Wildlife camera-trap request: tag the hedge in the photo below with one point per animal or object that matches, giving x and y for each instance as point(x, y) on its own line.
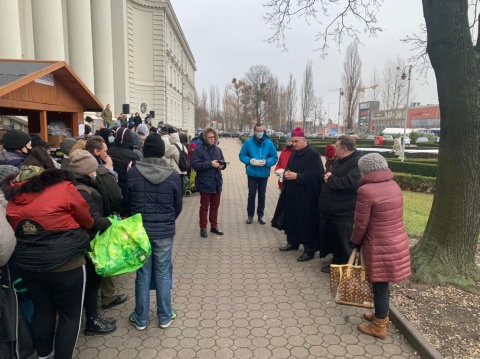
point(414, 183)
point(414, 168)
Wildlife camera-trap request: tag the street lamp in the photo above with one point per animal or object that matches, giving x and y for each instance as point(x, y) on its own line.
point(404, 76)
point(339, 103)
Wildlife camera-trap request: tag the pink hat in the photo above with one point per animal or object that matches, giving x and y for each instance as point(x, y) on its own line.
point(298, 132)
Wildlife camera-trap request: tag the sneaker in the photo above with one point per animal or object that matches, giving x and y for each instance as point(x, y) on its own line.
point(134, 322)
point(166, 325)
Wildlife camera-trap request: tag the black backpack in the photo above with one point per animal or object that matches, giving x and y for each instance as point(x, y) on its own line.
point(183, 159)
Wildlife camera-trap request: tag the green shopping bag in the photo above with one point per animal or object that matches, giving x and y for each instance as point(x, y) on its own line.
point(124, 247)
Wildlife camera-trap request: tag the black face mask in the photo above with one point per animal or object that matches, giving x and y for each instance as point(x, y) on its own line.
point(29, 150)
point(289, 146)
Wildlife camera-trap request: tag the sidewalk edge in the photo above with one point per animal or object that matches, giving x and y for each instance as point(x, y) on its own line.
point(416, 339)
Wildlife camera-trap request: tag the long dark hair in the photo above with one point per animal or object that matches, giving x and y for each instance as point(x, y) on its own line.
point(39, 157)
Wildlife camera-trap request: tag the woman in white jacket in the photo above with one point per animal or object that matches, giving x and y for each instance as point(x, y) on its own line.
point(173, 153)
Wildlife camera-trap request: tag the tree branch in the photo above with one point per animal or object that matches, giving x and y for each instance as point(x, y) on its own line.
point(348, 13)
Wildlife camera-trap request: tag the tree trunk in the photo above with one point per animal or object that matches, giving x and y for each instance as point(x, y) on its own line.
point(446, 253)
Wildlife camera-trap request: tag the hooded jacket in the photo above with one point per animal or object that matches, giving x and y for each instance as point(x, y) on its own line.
point(209, 179)
point(379, 228)
point(48, 216)
point(122, 155)
point(173, 154)
point(259, 149)
point(154, 190)
point(339, 194)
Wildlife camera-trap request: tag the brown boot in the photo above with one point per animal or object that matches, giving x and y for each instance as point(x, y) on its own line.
point(369, 316)
point(378, 328)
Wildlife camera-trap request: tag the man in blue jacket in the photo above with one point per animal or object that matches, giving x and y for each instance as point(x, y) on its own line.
point(259, 155)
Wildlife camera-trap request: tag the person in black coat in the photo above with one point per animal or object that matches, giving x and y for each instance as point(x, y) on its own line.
point(155, 191)
point(297, 209)
point(84, 167)
point(209, 162)
point(337, 202)
point(123, 157)
point(137, 120)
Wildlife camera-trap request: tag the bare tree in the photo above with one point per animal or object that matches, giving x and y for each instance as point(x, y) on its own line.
point(317, 110)
point(374, 93)
point(446, 252)
point(272, 104)
point(351, 80)
point(291, 101)
point(258, 77)
point(214, 102)
point(307, 95)
point(201, 111)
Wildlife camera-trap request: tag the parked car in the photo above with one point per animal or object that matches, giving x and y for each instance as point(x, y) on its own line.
point(387, 137)
point(237, 134)
point(225, 134)
point(422, 139)
point(369, 137)
point(407, 140)
point(277, 135)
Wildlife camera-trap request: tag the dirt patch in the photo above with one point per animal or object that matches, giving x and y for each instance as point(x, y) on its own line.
point(448, 317)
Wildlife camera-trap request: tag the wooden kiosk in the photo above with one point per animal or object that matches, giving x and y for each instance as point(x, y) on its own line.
point(44, 91)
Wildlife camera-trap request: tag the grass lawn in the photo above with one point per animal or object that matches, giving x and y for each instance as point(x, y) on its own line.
point(416, 209)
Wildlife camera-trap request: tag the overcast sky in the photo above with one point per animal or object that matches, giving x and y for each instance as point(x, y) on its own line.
point(228, 36)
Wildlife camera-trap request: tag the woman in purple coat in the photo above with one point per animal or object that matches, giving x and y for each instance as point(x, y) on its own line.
point(379, 228)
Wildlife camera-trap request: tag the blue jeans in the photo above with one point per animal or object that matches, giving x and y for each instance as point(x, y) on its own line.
point(157, 269)
point(254, 184)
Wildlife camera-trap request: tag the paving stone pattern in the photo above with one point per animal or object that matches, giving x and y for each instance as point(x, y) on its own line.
point(238, 296)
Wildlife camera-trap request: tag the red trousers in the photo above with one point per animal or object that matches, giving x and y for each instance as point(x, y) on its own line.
point(211, 200)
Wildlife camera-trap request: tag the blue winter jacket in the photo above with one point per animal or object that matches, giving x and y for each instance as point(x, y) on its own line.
point(209, 179)
point(154, 190)
point(260, 150)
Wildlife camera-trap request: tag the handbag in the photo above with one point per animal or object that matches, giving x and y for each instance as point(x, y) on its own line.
point(349, 283)
point(122, 248)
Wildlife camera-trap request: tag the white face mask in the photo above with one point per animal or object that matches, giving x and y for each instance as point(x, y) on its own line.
point(259, 135)
point(111, 139)
point(94, 176)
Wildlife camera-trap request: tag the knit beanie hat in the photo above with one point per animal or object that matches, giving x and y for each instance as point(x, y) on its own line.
point(15, 140)
point(298, 132)
point(154, 146)
point(288, 136)
point(6, 170)
point(38, 141)
point(330, 151)
point(143, 129)
point(66, 145)
point(372, 162)
point(82, 162)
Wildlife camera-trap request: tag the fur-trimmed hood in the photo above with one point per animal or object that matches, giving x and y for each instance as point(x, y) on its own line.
point(34, 185)
point(202, 137)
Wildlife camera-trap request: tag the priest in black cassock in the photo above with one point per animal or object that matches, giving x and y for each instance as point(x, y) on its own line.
point(297, 208)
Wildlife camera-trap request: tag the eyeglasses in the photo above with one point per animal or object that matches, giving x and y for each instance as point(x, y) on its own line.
point(210, 137)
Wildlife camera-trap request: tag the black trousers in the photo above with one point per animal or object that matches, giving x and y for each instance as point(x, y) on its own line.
point(256, 184)
point(52, 292)
point(381, 299)
point(91, 289)
point(335, 238)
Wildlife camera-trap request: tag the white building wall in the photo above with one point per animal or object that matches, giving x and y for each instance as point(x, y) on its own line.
point(139, 53)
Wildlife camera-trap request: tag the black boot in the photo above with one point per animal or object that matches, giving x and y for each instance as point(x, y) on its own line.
point(289, 247)
point(95, 326)
point(306, 256)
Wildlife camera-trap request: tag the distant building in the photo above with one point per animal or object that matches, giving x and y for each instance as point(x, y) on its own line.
point(419, 117)
point(126, 51)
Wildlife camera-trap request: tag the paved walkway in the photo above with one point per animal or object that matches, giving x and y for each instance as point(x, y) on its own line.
point(238, 296)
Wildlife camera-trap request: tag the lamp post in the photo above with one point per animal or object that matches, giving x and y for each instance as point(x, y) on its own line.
point(339, 103)
point(404, 76)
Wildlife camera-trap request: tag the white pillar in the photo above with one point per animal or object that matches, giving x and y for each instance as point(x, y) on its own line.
point(102, 51)
point(48, 30)
point(10, 41)
point(80, 40)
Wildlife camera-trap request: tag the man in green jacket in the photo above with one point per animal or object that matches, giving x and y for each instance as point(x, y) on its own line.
point(107, 116)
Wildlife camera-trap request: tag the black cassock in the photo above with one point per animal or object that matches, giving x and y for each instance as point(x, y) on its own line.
point(297, 209)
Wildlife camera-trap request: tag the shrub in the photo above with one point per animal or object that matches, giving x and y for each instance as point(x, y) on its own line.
point(414, 168)
point(415, 183)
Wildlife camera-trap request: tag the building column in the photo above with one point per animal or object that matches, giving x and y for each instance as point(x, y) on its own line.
point(80, 40)
point(102, 50)
point(48, 30)
point(11, 44)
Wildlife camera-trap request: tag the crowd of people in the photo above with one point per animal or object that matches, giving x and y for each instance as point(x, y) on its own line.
point(54, 209)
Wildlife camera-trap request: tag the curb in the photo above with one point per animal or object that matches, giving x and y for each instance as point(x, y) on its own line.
point(413, 336)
